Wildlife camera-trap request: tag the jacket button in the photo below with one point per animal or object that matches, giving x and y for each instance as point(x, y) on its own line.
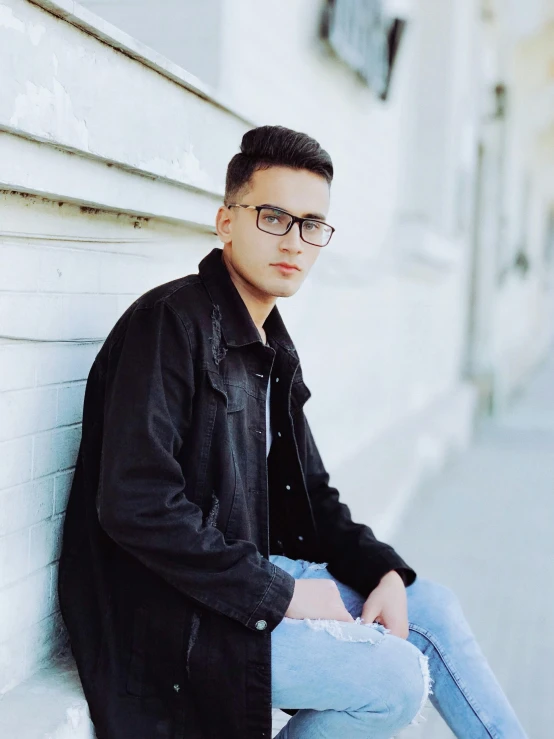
point(300, 538)
point(276, 379)
point(176, 687)
point(260, 625)
point(287, 487)
point(278, 433)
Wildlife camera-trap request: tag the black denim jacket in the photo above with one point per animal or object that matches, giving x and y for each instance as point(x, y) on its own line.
point(165, 582)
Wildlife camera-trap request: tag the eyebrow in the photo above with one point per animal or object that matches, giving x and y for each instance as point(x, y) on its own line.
point(317, 216)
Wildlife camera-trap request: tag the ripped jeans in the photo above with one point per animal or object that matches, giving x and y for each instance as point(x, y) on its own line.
point(359, 681)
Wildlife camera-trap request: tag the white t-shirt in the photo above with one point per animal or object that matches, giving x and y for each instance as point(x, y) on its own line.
point(268, 435)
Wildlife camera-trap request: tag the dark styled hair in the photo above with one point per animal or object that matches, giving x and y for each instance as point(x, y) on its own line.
point(274, 146)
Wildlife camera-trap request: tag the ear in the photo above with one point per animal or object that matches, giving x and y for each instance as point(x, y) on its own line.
point(224, 224)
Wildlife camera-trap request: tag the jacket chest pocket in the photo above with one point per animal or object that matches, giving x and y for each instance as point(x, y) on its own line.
point(233, 395)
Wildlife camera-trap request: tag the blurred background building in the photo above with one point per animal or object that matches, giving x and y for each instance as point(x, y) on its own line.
point(117, 121)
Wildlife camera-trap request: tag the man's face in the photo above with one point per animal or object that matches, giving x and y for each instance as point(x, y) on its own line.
point(253, 254)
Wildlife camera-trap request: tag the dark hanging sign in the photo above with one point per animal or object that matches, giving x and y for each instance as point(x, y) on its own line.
point(365, 39)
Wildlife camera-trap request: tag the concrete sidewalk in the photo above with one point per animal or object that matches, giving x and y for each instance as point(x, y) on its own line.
point(486, 529)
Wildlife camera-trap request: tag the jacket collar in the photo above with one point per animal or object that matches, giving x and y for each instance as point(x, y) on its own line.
point(237, 326)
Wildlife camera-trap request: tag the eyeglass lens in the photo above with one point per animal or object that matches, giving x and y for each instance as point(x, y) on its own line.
point(276, 222)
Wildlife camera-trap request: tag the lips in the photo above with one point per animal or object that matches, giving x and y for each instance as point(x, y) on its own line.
point(290, 267)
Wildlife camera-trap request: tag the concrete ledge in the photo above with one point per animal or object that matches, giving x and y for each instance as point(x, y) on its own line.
point(49, 705)
point(81, 86)
point(48, 172)
point(96, 26)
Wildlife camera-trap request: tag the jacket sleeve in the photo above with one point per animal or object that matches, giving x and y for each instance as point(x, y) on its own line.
point(141, 498)
point(355, 555)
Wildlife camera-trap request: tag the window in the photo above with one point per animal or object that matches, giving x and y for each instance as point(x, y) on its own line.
point(359, 33)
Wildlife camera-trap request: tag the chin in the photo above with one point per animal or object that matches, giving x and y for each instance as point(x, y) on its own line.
point(285, 291)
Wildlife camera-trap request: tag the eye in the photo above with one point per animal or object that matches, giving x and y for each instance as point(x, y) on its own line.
point(312, 226)
point(274, 216)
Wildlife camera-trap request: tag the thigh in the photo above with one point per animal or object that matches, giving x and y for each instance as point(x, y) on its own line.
point(327, 664)
point(323, 664)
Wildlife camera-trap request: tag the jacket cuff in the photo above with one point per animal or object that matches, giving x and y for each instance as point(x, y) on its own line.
point(271, 610)
point(407, 574)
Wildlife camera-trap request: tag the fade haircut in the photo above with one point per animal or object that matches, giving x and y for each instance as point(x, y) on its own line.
point(274, 146)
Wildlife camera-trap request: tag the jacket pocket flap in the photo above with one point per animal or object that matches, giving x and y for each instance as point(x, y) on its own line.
point(234, 395)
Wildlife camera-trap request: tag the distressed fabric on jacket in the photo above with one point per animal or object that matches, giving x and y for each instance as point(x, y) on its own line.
point(165, 582)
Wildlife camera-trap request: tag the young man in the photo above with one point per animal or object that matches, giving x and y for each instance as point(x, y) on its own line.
point(208, 569)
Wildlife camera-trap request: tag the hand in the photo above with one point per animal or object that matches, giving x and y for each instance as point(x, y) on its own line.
point(388, 604)
point(317, 599)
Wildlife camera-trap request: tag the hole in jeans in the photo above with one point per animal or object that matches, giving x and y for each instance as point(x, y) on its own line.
point(347, 630)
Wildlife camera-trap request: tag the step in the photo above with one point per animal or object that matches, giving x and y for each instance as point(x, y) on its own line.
point(51, 705)
point(48, 705)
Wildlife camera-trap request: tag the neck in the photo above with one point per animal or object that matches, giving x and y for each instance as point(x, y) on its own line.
point(258, 304)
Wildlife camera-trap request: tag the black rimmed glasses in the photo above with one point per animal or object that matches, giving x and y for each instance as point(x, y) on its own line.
point(278, 222)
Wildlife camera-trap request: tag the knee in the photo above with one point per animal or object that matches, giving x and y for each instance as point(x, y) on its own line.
point(436, 605)
point(408, 684)
point(438, 595)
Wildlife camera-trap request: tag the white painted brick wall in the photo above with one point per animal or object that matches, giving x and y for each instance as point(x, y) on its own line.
point(27, 610)
point(23, 505)
point(66, 274)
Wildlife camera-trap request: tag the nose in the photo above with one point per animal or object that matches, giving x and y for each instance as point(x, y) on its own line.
point(292, 241)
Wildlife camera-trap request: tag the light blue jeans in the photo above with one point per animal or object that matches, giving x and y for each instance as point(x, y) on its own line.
point(359, 681)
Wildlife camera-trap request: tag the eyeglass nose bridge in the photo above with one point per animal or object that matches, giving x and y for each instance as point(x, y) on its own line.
point(293, 220)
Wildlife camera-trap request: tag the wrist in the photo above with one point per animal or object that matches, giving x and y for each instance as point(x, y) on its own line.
point(393, 575)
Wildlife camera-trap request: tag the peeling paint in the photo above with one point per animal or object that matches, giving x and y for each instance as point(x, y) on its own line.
point(46, 98)
point(8, 20)
point(192, 169)
point(89, 211)
point(35, 31)
point(33, 112)
point(25, 195)
point(185, 167)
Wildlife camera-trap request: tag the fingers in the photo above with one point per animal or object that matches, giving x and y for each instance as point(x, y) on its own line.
point(370, 613)
point(399, 628)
